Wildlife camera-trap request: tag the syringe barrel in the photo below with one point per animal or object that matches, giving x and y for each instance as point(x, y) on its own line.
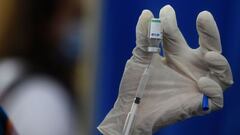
point(143, 83)
point(129, 123)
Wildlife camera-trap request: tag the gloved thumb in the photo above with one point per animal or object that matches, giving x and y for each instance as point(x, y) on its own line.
point(140, 53)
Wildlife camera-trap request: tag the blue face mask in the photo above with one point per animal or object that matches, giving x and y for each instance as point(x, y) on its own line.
point(70, 46)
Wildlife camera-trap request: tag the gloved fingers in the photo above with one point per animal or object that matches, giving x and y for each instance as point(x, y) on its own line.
point(219, 68)
point(173, 40)
point(214, 91)
point(139, 53)
point(209, 37)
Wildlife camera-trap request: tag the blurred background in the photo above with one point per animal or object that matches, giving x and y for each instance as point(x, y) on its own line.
point(61, 61)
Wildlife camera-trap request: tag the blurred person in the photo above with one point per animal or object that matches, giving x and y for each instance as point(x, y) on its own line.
point(39, 45)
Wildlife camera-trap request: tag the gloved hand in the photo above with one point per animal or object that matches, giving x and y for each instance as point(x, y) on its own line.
point(177, 81)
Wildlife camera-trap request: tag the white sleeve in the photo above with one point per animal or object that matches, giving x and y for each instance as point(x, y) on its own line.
point(40, 107)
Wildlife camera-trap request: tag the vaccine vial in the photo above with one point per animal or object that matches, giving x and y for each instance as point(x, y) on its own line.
point(155, 35)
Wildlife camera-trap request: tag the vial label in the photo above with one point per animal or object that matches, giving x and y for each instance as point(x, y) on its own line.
point(155, 29)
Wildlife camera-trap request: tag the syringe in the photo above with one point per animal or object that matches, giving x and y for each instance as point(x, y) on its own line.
point(155, 37)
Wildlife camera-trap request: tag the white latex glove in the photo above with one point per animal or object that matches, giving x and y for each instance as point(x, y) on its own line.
point(177, 82)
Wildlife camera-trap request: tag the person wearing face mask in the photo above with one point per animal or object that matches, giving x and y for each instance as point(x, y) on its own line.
point(38, 50)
